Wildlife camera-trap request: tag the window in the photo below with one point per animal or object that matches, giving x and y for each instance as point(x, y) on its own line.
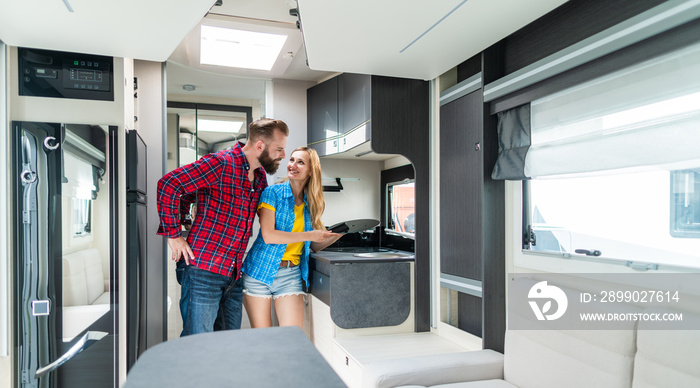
point(685, 203)
point(82, 209)
point(401, 205)
point(632, 216)
point(615, 167)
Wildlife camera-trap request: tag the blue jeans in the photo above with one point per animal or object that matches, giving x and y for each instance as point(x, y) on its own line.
point(209, 301)
point(180, 269)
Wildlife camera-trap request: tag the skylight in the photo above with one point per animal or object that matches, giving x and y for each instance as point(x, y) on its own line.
point(237, 48)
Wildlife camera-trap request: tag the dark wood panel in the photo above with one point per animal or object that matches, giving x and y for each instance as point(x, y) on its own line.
point(469, 314)
point(400, 125)
point(666, 42)
point(493, 63)
point(469, 68)
point(461, 175)
point(493, 252)
point(570, 23)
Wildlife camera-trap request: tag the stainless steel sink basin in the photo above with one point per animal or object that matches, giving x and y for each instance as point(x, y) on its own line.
point(382, 255)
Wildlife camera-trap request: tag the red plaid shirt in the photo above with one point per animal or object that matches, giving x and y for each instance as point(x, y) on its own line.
point(226, 208)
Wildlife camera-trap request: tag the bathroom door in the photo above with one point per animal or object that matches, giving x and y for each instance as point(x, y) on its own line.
point(65, 231)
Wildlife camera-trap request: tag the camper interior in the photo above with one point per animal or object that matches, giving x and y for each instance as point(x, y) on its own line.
point(519, 184)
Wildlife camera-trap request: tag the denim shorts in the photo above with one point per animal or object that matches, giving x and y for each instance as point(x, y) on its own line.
point(287, 282)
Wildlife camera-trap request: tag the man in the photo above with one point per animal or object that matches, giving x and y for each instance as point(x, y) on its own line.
point(228, 186)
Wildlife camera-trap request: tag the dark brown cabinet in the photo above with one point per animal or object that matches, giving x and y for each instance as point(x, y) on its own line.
point(340, 113)
point(461, 167)
point(472, 216)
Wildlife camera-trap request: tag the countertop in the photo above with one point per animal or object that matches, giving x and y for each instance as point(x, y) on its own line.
point(346, 255)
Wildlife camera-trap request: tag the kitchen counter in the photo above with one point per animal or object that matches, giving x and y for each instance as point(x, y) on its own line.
point(364, 287)
point(362, 255)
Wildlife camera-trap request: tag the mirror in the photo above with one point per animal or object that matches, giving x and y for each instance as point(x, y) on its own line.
point(85, 227)
point(206, 128)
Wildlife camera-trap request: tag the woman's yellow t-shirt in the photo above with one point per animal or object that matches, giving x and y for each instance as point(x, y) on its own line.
point(293, 251)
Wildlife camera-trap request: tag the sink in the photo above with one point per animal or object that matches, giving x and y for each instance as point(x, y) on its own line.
point(382, 255)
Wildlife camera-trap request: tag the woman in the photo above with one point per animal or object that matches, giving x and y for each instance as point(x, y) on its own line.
point(290, 224)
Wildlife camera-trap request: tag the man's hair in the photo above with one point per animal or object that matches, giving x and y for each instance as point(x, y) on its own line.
point(264, 129)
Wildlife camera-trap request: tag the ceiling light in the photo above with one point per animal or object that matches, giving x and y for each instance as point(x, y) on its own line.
point(237, 48)
point(188, 87)
point(224, 126)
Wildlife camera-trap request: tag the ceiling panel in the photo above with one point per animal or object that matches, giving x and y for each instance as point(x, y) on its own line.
point(139, 29)
point(411, 39)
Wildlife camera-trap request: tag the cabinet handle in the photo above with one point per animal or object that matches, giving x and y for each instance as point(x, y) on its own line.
point(85, 342)
point(50, 143)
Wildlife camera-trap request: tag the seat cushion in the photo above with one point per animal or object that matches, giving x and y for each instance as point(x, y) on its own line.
point(468, 384)
point(434, 369)
point(102, 299)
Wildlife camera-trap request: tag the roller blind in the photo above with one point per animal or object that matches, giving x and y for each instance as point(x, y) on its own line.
point(647, 115)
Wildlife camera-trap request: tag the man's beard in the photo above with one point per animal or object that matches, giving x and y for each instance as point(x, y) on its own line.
point(268, 163)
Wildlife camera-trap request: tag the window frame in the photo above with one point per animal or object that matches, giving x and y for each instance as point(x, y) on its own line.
point(388, 219)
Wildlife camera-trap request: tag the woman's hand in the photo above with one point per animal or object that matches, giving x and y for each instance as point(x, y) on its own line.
point(321, 235)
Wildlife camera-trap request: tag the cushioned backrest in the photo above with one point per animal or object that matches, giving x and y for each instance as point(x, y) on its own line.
point(93, 274)
point(585, 359)
point(667, 358)
point(569, 358)
point(74, 282)
point(83, 277)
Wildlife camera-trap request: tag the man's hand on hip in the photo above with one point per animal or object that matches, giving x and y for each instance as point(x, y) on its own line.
point(180, 249)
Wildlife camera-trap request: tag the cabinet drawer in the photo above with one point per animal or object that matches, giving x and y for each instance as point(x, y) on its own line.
point(321, 287)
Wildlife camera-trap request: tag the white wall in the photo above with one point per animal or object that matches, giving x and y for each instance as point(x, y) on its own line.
point(289, 105)
point(359, 198)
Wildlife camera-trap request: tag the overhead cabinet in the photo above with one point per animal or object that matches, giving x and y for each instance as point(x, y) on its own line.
point(322, 117)
point(340, 111)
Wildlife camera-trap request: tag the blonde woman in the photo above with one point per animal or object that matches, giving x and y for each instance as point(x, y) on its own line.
point(290, 225)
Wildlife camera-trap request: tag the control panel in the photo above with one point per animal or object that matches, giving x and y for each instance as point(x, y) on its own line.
point(45, 73)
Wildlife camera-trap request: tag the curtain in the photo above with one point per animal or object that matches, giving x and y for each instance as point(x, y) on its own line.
point(513, 143)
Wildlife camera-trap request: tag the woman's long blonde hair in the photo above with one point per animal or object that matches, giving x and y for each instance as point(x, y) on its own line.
point(314, 188)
